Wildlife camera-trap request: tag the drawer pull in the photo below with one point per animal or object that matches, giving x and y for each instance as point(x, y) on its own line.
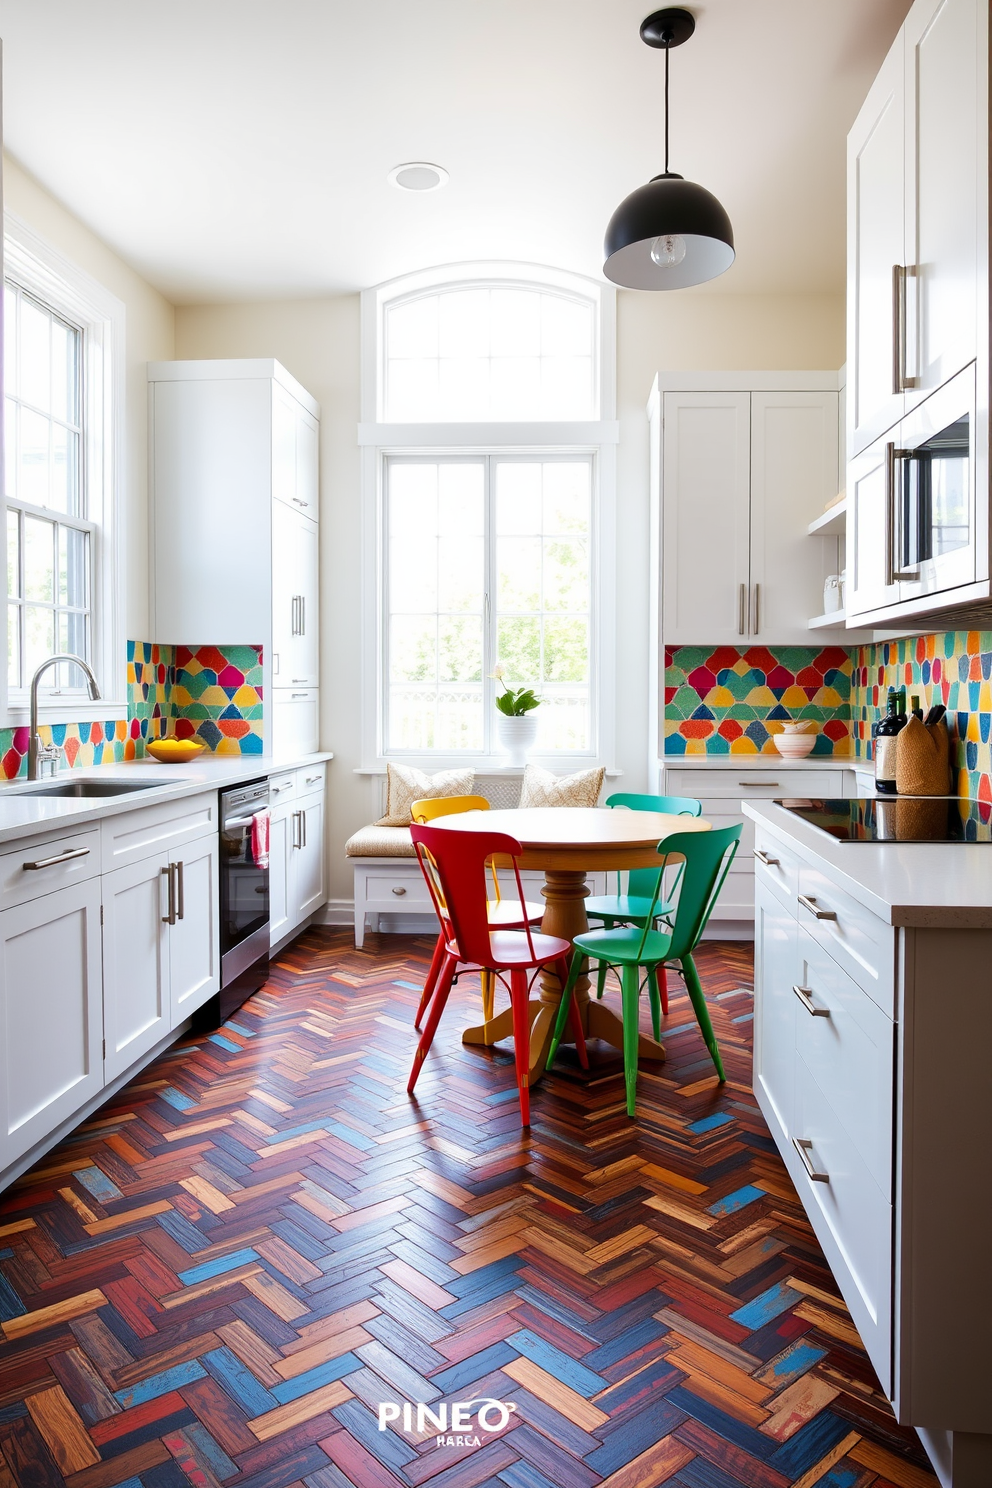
point(763, 857)
point(312, 779)
point(820, 914)
point(767, 784)
point(65, 857)
point(399, 891)
point(805, 997)
point(804, 1148)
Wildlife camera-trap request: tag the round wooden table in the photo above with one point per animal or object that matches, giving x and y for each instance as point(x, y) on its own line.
point(568, 842)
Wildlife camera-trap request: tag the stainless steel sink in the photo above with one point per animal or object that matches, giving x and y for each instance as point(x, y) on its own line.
point(85, 789)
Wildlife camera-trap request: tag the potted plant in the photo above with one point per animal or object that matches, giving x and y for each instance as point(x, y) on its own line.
point(515, 724)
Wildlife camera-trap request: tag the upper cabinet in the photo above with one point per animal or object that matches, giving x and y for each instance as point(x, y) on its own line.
point(741, 475)
point(918, 392)
point(234, 525)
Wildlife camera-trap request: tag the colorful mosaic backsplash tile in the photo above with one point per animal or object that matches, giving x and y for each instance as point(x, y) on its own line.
point(955, 669)
point(209, 693)
point(731, 700)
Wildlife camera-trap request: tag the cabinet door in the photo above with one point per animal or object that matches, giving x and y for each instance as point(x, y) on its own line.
point(307, 480)
point(306, 569)
point(284, 419)
point(280, 858)
point(194, 940)
point(308, 871)
point(793, 475)
point(876, 211)
point(284, 606)
point(137, 1006)
point(946, 109)
point(869, 560)
point(775, 974)
point(706, 479)
point(51, 1017)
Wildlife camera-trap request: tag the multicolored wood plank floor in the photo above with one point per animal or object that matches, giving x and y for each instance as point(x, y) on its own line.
point(223, 1276)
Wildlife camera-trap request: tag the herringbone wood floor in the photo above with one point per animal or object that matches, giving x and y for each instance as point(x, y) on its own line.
point(219, 1278)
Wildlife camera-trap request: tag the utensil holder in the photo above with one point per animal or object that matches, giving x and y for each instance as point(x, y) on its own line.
point(922, 759)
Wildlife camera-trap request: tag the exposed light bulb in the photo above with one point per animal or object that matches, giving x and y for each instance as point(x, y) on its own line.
point(669, 251)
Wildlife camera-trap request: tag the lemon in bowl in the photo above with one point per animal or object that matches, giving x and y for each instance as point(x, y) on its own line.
point(174, 751)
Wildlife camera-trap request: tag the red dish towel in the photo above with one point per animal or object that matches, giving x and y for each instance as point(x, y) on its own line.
point(260, 838)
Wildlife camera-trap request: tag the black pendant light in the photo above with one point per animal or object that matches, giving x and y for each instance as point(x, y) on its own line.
point(670, 233)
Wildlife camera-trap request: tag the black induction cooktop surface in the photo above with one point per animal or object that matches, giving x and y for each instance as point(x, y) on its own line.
point(897, 819)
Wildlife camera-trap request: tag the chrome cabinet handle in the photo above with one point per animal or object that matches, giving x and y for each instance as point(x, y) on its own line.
point(299, 679)
point(820, 914)
point(303, 827)
point(170, 917)
point(805, 997)
point(898, 327)
point(65, 857)
point(804, 1148)
point(757, 602)
point(298, 829)
point(399, 891)
point(300, 502)
point(299, 694)
point(180, 892)
point(768, 784)
point(303, 614)
point(311, 779)
point(763, 857)
point(742, 610)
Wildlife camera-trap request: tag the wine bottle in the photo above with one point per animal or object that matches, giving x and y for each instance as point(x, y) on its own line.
point(917, 711)
point(886, 738)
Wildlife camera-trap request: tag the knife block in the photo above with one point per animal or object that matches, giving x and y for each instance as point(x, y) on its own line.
point(922, 759)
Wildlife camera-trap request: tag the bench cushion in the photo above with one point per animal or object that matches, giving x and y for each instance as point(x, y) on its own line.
point(380, 842)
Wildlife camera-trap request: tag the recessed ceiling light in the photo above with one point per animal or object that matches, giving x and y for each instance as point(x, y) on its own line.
point(418, 175)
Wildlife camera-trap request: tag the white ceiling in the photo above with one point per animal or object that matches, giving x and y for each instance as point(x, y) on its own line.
point(234, 149)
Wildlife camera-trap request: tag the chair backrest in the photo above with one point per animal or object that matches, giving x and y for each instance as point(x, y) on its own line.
point(707, 857)
point(641, 881)
point(432, 806)
point(454, 865)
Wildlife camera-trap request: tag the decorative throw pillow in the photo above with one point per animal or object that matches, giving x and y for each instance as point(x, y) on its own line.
point(541, 788)
point(404, 785)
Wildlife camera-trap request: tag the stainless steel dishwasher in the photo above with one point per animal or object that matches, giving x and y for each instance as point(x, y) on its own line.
point(244, 895)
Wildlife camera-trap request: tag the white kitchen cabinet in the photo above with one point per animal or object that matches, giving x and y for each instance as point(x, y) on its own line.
point(161, 955)
point(234, 520)
point(775, 973)
point(51, 1015)
point(296, 851)
point(742, 474)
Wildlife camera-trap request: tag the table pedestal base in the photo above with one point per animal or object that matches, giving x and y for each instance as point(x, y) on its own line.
point(565, 891)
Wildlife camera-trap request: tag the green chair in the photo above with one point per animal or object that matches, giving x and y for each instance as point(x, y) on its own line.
point(707, 857)
point(643, 884)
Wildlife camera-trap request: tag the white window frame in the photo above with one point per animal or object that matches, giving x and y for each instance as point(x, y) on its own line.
point(379, 441)
point(58, 283)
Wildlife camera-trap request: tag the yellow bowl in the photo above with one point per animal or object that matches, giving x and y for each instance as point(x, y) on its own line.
point(174, 751)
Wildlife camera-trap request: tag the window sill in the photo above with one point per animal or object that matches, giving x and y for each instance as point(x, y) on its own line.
point(495, 766)
point(60, 710)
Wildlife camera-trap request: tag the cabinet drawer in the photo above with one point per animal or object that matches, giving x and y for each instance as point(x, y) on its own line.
point(851, 1216)
point(311, 779)
point(282, 788)
point(851, 934)
point(756, 784)
point(397, 892)
point(139, 834)
point(48, 863)
point(775, 865)
point(846, 1042)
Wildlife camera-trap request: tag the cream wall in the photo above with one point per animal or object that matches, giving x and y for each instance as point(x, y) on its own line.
point(150, 337)
point(318, 341)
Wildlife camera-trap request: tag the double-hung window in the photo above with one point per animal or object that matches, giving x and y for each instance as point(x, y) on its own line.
point(63, 338)
point(489, 486)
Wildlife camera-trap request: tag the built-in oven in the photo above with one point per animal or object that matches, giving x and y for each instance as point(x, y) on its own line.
point(244, 893)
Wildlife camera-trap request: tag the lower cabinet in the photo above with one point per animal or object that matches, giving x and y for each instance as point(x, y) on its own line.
point(160, 948)
point(296, 853)
point(51, 1014)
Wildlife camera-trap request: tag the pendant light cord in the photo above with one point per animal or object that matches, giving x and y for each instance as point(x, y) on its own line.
point(668, 52)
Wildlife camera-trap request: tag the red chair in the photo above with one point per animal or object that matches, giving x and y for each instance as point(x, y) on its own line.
point(502, 916)
point(454, 866)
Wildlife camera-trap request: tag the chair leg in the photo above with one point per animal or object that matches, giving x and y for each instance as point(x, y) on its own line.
point(654, 997)
point(573, 1014)
point(695, 991)
point(519, 1002)
point(488, 980)
point(663, 988)
point(431, 982)
point(629, 993)
point(433, 1019)
point(601, 978)
point(566, 1001)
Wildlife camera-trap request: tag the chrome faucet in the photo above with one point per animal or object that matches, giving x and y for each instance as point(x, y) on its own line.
point(40, 755)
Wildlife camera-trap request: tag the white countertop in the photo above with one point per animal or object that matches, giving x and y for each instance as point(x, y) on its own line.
point(23, 815)
point(748, 762)
point(931, 885)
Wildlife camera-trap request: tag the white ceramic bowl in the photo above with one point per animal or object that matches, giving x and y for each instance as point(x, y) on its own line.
point(794, 746)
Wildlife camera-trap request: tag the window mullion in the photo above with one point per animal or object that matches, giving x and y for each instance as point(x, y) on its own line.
point(490, 648)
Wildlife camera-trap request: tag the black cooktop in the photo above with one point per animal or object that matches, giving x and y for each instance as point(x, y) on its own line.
point(897, 818)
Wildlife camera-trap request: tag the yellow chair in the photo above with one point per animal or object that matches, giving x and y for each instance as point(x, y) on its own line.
point(502, 916)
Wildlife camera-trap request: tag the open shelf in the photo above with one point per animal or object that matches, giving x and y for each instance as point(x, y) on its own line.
point(837, 619)
point(832, 523)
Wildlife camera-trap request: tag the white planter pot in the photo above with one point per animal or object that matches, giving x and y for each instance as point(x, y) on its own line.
point(516, 735)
